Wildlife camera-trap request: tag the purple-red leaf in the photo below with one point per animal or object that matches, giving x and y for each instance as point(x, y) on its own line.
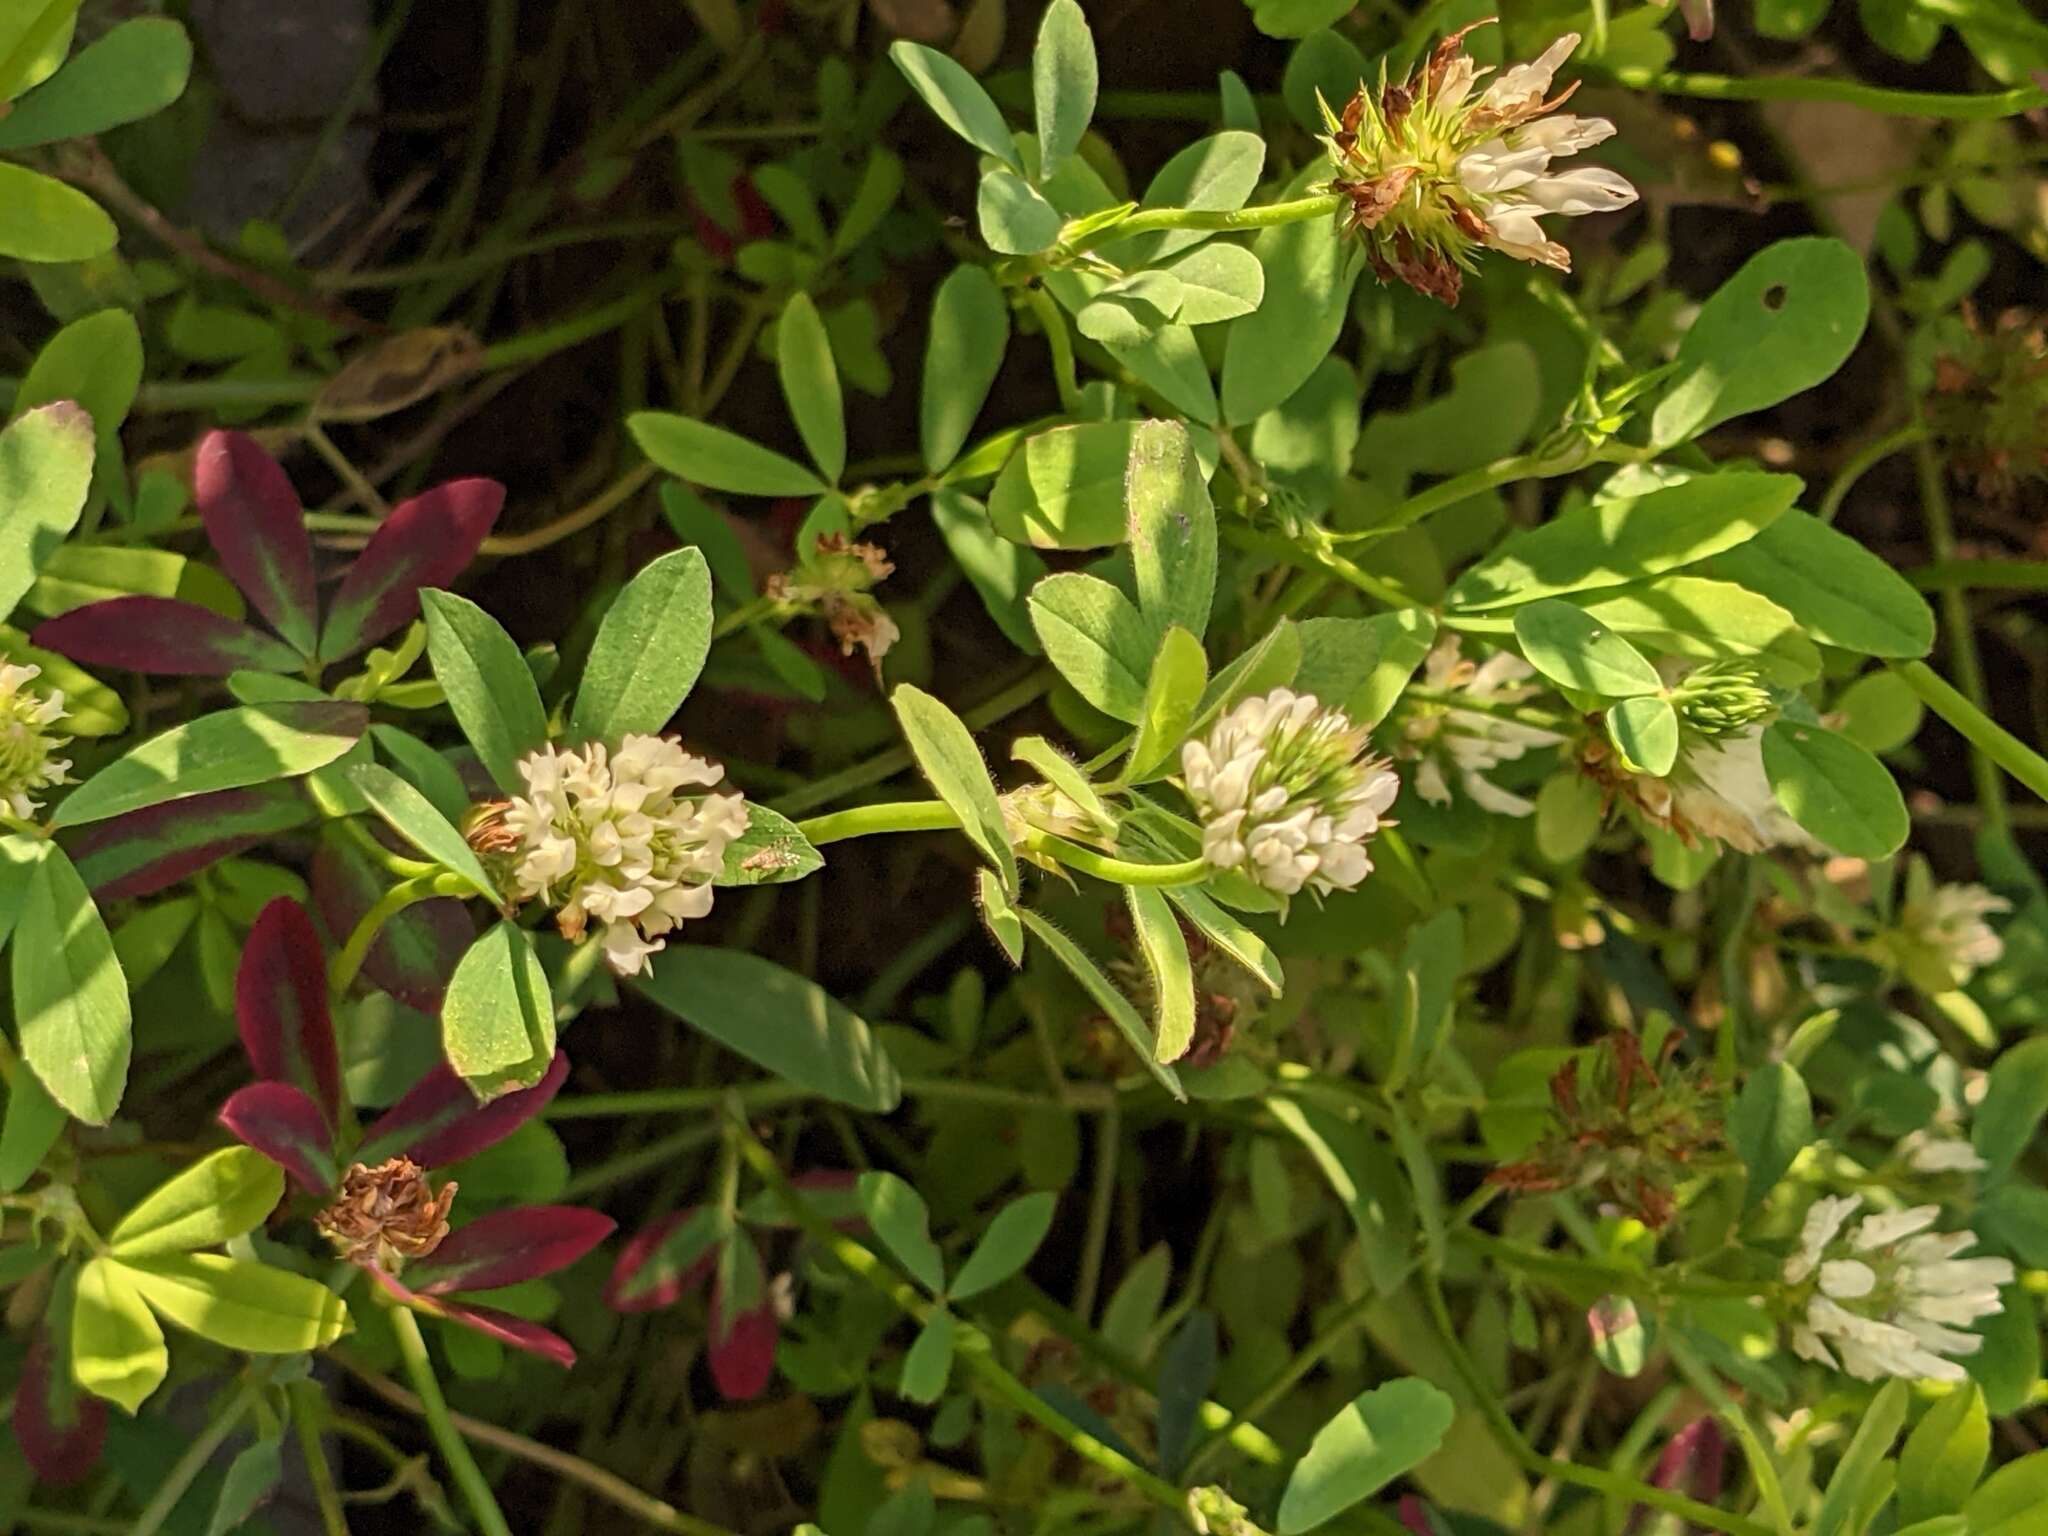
point(743, 1361)
point(1694, 1461)
point(281, 1005)
point(416, 952)
point(665, 1261)
point(489, 1321)
point(59, 1428)
point(287, 1127)
point(162, 635)
point(252, 518)
point(507, 1329)
point(439, 1120)
point(146, 850)
point(507, 1247)
point(425, 542)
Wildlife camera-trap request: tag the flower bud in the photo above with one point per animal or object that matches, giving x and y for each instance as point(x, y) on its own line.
point(1722, 698)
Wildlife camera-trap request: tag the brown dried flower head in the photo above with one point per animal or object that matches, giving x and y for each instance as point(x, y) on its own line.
point(387, 1214)
point(1624, 1127)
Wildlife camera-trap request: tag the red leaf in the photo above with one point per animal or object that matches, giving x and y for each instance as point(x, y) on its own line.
point(1694, 1461)
point(253, 520)
point(507, 1247)
point(162, 635)
point(507, 1329)
point(281, 1005)
point(664, 1262)
point(489, 1321)
point(146, 850)
point(417, 951)
point(439, 1120)
point(425, 542)
point(287, 1127)
point(59, 1428)
point(743, 1362)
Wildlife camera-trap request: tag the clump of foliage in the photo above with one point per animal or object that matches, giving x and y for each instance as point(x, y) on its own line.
point(1326, 870)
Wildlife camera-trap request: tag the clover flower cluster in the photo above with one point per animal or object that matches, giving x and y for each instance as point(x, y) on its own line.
point(1433, 170)
point(1889, 1297)
point(1284, 793)
point(1941, 936)
point(1460, 733)
point(613, 837)
point(28, 759)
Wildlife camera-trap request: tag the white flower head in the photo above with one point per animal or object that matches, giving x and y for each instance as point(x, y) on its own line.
point(618, 838)
point(1888, 1297)
point(1285, 793)
point(1432, 172)
point(1942, 936)
point(1936, 1154)
point(28, 749)
point(1462, 733)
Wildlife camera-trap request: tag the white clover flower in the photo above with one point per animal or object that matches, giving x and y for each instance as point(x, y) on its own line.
point(1717, 789)
point(1889, 1298)
point(1431, 173)
point(613, 838)
point(1451, 739)
point(1940, 938)
point(28, 758)
point(1283, 793)
point(1932, 1154)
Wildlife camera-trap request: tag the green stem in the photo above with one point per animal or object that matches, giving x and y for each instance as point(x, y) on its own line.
point(976, 1351)
point(1286, 1380)
point(1761, 1468)
point(309, 1411)
point(196, 1456)
point(1026, 690)
point(1993, 740)
point(1854, 93)
point(1054, 324)
point(1866, 458)
point(1961, 624)
point(890, 816)
point(1596, 1478)
point(1264, 216)
point(341, 971)
point(769, 1093)
point(476, 1492)
point(1118, 871)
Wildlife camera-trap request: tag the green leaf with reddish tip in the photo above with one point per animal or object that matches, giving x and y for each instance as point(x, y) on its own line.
point(45, 472)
